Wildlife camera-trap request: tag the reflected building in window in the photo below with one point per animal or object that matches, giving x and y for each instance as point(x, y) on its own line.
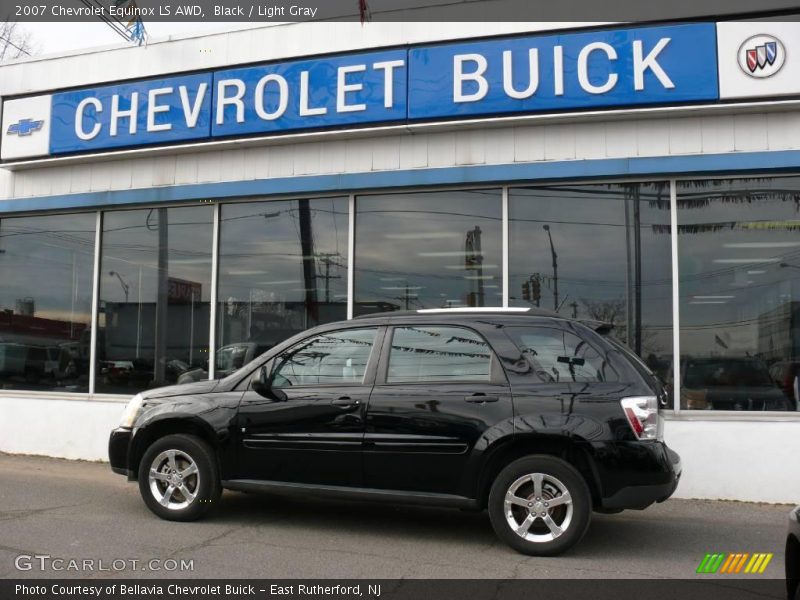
point(428, 250)
point(46, 266)
point(155, 286)
point(599, 252)
point(739, 244)
point(282, 269)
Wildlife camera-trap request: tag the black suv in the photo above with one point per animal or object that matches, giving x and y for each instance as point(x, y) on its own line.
point(538, 418)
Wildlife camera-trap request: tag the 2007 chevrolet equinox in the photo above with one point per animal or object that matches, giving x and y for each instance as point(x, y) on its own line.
point(536, 417)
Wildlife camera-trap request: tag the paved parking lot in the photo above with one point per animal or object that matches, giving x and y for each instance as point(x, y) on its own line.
point(79, 510)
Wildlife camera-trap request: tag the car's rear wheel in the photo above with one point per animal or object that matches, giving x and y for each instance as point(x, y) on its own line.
point(540, 505)
point(178, 478)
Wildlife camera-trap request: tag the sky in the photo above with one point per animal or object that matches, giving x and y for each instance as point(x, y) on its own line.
point(52, 38)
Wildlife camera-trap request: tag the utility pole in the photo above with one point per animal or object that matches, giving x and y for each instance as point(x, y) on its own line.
point(555, 267)
point(408, 296)
point(309, 266)
point(326, 258)
point(473, 261)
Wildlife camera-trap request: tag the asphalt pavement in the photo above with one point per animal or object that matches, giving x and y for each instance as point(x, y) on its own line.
point(77, 511)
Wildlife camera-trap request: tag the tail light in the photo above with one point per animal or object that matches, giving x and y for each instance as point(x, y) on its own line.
point(642, 415)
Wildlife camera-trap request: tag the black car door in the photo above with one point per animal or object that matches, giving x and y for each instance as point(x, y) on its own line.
point(310, 428)
point(439, 390)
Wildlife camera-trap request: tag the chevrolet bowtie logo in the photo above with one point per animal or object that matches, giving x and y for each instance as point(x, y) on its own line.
point(24, 127)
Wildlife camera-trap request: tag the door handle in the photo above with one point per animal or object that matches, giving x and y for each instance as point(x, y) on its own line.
point(481, 398)
point(345, 402)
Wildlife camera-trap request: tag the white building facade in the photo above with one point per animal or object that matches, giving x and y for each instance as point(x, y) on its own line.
point(173, 210)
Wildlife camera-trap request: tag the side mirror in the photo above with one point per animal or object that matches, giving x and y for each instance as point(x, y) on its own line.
point(260, 383)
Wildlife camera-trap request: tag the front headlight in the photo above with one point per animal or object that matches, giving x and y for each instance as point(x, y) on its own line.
point(131, 411)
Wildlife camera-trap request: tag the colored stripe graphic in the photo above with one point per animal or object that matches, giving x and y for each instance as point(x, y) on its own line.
point(733, 563)
point(711, 563)
point(740, 564)
point(728, 563)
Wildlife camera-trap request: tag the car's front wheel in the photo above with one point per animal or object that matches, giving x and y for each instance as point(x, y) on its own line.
point(540, 505)
point(178, 478)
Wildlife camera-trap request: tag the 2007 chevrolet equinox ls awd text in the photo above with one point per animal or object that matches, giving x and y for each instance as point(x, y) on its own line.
point(539, 418)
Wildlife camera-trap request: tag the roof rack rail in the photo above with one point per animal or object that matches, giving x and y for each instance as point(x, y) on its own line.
point(474, 309)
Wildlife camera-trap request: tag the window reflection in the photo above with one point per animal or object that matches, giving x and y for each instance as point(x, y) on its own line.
point(597, 252)
point(559, 356)
point(441, 354)
point(740, 289)
point(282, 269)
point(337, 358)
point(428, 250)
point(155, 282)
point(46, 268)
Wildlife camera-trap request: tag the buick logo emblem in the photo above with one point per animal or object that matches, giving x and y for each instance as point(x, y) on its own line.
point(762, 56)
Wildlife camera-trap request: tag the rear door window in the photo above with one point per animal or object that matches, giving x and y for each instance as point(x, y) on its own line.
point(560, 356)
point(438, 353)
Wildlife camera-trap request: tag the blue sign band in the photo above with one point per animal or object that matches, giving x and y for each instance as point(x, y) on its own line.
point(597, 69)
point(539, 73)
point(131, 114)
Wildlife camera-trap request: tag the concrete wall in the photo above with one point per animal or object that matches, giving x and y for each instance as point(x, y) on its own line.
point(68, 428)
point(722, 458)
point(752, 460)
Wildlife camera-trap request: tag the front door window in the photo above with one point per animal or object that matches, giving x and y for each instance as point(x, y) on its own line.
point(336, 358)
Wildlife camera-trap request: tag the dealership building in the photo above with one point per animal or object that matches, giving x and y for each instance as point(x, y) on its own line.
point(172, 210)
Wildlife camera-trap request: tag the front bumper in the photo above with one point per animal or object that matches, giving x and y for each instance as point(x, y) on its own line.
point(119, 443)
point(634, 475)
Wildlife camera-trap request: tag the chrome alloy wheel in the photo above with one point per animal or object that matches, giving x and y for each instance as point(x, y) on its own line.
point(174, 479)
point(538, 507)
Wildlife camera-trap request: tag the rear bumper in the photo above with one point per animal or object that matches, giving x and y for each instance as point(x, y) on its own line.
point(634, 475)
point(118, 447)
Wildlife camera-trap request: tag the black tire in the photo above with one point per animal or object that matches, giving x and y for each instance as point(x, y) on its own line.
point(204, 484)
point(556, 476)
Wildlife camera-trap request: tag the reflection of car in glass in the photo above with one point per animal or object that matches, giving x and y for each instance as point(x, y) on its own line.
point(536, 417)
point(139, 372)
point(729, 383)
point(786, 375)
point(793, 556)
point(23, 360)
point(229, 359)
point(59, 363)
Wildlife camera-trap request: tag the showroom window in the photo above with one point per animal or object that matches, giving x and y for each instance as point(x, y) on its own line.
point(155, 286)
point(423, 354)
point(428, 250)
point(282, 270)
point(46, 266)
point(599, 251)
point(739, 248)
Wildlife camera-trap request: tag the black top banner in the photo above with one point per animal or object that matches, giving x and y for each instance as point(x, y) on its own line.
point(276, 11)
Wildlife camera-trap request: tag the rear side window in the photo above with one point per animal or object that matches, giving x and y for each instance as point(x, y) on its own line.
point(421, 354)
point(560, 356)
